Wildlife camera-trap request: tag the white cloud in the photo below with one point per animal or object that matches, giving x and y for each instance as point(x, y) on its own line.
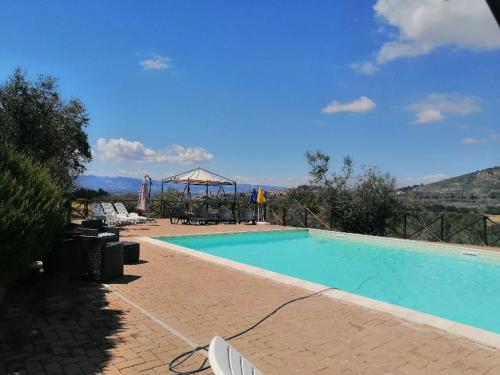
point(362, 104)
point(367, 68)
point(275, 181)
point(427, 179)
point(156, 63)
point(435, 106)
point(471, 141)
point(425, 25)
point(119, 149)
point(135, 173)
point(429, 115)
point(489, 137)
point(449, 102)
point(394, 50)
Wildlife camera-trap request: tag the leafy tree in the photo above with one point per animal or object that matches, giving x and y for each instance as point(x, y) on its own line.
point(373, 201)
point(319, 164)
point(361, 204)
point(305, 195)
point(32, 212)
point(83, 193)
point(36, 121)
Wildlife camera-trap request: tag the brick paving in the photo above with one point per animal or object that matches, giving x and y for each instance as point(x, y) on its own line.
point(58, 326)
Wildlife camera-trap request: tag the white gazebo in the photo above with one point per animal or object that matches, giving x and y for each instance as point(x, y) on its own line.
point(199, 177)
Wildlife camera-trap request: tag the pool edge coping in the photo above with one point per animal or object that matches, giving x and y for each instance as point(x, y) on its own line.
point(476, 335)
point(432, 245)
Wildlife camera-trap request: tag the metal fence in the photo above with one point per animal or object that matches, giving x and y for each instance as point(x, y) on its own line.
point(426, 225)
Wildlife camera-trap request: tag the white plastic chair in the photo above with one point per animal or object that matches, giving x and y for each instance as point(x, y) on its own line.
point(111, 214)
point(122, 210)
point(226, 360)
point(98, 213)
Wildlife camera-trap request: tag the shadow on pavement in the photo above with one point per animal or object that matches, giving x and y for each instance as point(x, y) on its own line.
point(52, 325)
point(125, 279)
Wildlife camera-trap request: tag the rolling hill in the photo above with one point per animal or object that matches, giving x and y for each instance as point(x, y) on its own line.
point(483, 184)
point(124, 185)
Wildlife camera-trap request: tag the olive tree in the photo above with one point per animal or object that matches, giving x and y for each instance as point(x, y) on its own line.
point(361, 203)
point(37, 122)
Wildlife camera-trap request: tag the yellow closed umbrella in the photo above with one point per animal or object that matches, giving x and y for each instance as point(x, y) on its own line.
point(260, 196)
point(261, 199)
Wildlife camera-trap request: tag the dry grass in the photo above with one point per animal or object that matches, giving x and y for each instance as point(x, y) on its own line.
point(495, 218)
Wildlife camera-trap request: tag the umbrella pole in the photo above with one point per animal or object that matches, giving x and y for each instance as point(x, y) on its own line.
point(234, 202)
point(161, 202)
point(149, 196)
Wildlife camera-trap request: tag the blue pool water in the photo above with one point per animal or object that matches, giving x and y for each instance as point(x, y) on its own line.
point(448, 284)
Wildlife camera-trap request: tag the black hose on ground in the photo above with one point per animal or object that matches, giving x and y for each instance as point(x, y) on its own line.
point(183, 357)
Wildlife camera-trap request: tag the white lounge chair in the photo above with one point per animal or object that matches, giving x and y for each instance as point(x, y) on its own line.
point(112, 215)
point(122, 210)
point(226, 360)
point(98, 213)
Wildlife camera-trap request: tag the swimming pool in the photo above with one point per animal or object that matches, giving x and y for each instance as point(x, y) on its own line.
point(454, 285)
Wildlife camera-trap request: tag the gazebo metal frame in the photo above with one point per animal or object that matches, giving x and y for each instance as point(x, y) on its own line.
point(217, 180)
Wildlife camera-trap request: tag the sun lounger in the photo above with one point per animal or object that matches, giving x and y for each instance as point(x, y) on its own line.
point(178, 215)
point(99, 213)
point(122, 210)
point(247, 215)
point(202, 216)
point(226, 360)
point(113, 215)
point(225, 216)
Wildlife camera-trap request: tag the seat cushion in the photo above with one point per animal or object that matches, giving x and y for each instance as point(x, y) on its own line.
point(112, 261)
point(131, 252)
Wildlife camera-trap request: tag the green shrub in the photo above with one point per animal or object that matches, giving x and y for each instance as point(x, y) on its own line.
point(32, 213)
point(83, 193)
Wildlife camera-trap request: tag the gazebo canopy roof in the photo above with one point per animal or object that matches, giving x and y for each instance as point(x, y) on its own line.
point(199, 176)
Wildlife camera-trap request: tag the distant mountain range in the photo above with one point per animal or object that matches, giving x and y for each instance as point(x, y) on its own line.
point(480, 184)
point(124, 185)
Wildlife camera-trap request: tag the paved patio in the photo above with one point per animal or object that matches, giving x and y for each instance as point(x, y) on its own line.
point(83, 328)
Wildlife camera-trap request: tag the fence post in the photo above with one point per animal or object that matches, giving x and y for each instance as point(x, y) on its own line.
point(305, 217)
point(485, 229)
point(405, 234)
point(284, 216)
point(162, 213)
point(442, 228)
point(331, 218)
point(86, 209)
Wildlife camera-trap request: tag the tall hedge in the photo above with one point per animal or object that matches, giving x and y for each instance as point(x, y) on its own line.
point(32, 213)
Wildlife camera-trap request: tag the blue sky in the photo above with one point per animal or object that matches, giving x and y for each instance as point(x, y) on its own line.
point(245, 88)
